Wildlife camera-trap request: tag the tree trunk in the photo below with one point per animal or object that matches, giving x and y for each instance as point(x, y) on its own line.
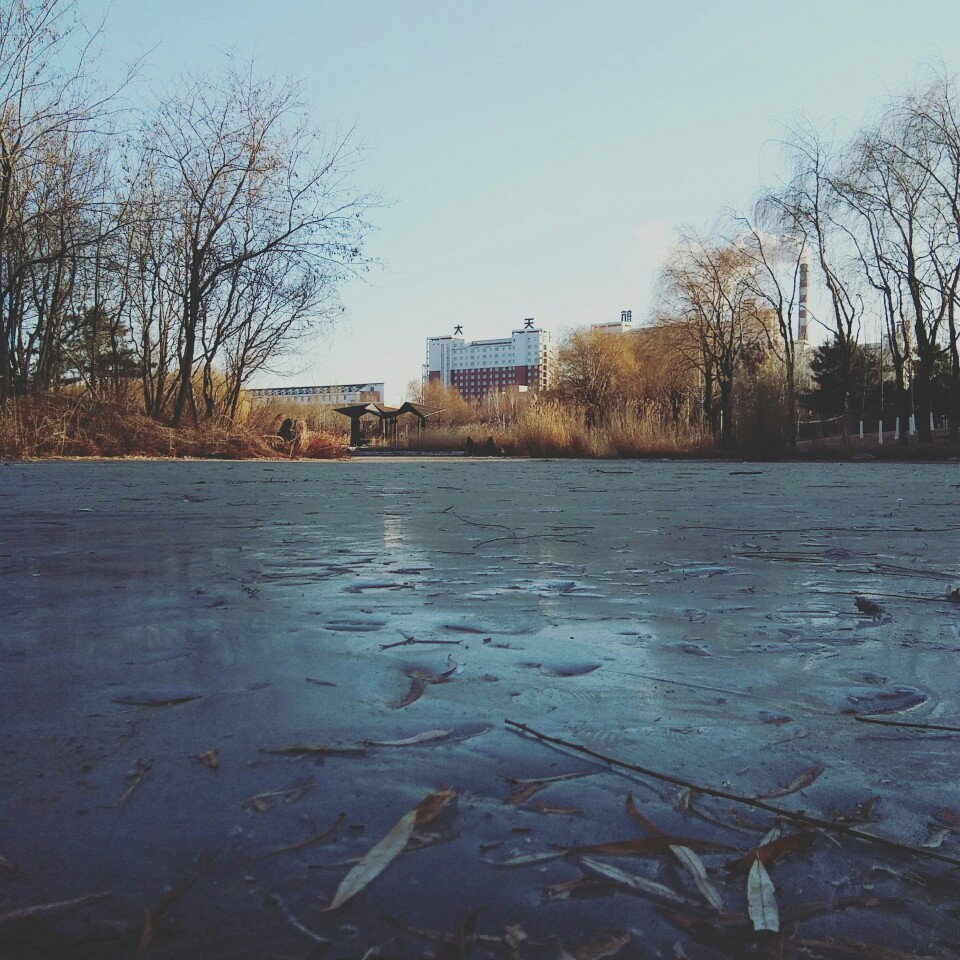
point(954, 382)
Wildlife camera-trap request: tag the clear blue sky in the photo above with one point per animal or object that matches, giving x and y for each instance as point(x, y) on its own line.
point(539, 153)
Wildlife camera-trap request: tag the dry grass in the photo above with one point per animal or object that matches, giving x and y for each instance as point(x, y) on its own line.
point(63, 425)
point(546, 429)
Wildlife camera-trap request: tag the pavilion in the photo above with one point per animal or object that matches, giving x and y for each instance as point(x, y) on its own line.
point(388, 418)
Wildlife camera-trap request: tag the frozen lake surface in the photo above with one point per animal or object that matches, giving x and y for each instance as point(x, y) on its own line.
point(204, 665)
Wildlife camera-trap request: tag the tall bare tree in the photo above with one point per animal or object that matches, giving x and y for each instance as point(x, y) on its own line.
point(707, 291)
point(809, 207)
point(244, 178)
point(774, 281)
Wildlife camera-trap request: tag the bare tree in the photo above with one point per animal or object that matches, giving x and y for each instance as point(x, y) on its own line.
point(593, 373)
point(809, 207)
point(51, 118)
point(707, 292)
point(245, 179)
point(774, 281)
point(933, 115)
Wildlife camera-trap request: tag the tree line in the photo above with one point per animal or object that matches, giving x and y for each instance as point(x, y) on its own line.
point(876, 221)
point(172, 248)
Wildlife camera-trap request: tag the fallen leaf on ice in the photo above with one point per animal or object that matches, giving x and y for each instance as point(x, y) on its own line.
point(24, 913)
point(605, 946)
point(8, 866)
point(376, 861)
point(315, 750)
point(868, 607)
point(210, 758)
point(525, 860)
point(936, 839)
point(426, 737)
point(948, 816)
point(645, 846)
point(263, 802)
point(427, 677)
point(638, 884)
point(694, 866)
point(386, 850)
point(770, 853)
point(136, 775)
point(309, 842)
point(156, 699)
point(552, 808)
point(640, 818)
point(804, 780)
point(432, 805)
point(580, 889)
point(415, 692)
point(762, 899)
point(524, 793)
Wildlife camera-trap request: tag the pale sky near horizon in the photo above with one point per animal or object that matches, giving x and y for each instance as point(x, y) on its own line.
point(538, 155)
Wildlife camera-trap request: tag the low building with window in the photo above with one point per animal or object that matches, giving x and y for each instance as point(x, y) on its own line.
point(522, 362)
point(332, 395)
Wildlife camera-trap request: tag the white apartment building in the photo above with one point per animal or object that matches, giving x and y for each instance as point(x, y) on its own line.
point(334, 395)
point(521, 362)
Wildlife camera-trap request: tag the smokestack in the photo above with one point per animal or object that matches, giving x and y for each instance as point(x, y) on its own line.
point(802, 311)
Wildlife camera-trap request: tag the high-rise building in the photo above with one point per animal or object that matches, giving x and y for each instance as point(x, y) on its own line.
point(521, 362)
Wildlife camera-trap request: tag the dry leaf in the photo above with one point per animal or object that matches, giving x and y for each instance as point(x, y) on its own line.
point(936, 839)
point(647, 846)
point(580, 889)
point(525, 860)
point(868, 607)
point(555, 779)
point(640, 818)
point(426, 737)
point(558, 811)
point(309, 842)
point(605, 946)
point(762, 899)
point(694, 866)
point(156, 700)
point(948, 816)
point(638, 884)
point(262, 802)
point(525, 792)
point(210, 758)
point(431, 806)
point(413, 694)
point(376, 861)
point(428, 677)
point(140, 769)
point(386, 850)
point(24, 913)
point(315, 750)
point(770, 853)
point(804, 780)
point(8, 866)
